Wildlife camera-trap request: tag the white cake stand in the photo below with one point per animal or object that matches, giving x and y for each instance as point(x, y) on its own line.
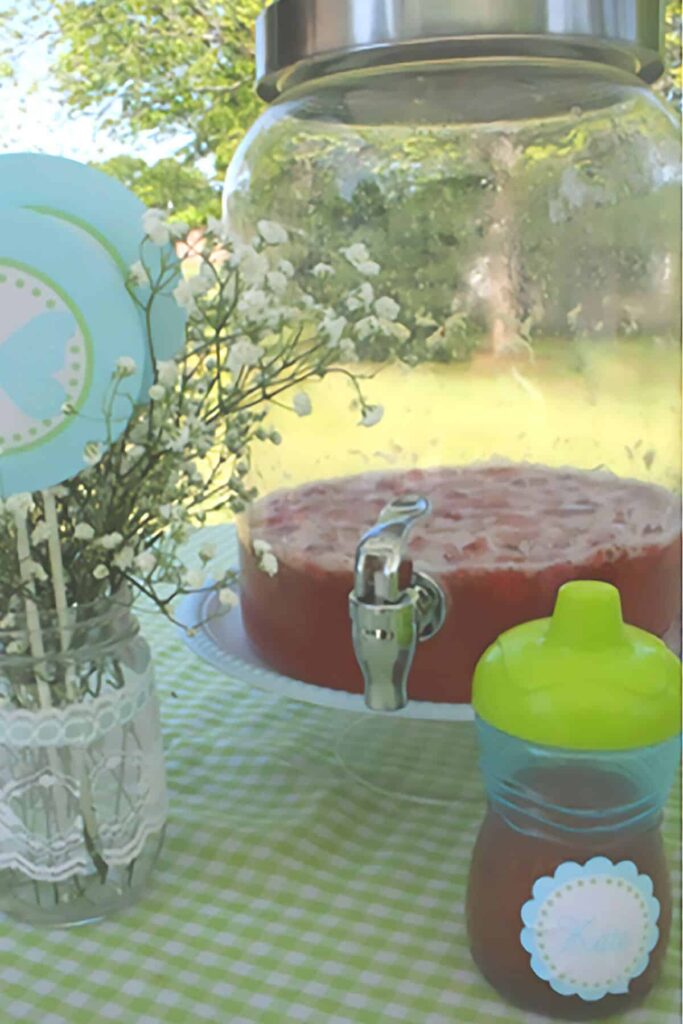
point(419, 752)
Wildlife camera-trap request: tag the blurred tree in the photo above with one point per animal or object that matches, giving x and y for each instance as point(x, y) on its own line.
point(169, 184)
point(180, 69)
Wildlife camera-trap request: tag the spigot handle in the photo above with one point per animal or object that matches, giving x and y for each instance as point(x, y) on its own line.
point(380, 552)
point(389, 622)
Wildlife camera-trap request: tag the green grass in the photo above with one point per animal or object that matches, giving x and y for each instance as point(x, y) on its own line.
point(615, 405)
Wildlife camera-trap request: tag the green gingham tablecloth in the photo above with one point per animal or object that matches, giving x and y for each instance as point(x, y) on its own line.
point(284, 892)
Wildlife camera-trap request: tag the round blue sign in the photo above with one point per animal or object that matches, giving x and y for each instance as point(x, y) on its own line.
point(66, 320)
point(111, 214)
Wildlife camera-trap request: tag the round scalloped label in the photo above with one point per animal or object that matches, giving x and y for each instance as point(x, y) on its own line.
point(590, 928)
point(66, 319)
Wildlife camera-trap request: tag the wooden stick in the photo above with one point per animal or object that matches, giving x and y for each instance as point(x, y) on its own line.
point(37, 645)
point(59, 591)
point(59, 586)
point(35, 633)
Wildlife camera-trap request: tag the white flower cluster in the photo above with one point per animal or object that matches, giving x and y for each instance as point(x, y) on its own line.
point(158, 230)
point(259, 328)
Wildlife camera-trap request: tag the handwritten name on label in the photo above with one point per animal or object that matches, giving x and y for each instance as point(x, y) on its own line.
point(590, 928)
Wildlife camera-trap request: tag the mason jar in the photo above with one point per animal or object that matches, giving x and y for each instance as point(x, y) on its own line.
point(83, 800)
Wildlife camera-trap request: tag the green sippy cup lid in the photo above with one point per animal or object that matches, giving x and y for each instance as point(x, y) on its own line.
point(583, 679)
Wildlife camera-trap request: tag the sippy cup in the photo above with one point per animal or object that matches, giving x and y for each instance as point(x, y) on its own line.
point(578, 719)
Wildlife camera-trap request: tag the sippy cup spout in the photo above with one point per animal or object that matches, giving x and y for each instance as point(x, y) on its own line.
point(587, 615)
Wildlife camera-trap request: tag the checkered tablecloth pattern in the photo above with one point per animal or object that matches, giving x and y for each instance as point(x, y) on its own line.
point(285, 892)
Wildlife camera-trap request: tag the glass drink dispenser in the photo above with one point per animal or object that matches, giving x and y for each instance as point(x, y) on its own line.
point(502, 187)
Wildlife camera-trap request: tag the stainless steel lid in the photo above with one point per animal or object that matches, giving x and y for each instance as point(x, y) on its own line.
point(300, 39)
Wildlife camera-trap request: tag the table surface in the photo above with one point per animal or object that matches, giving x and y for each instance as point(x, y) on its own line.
point(285, 892)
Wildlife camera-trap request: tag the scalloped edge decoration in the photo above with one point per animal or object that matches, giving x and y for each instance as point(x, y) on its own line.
point(546, 934)
point(74, 274)
point(100, 205)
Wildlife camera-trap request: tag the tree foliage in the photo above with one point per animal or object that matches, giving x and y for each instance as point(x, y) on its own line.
point(179, 188)
point(181, 68)
point(672, 83)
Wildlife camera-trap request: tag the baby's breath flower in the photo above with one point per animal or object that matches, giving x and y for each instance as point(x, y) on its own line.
point(207, 552)
point(242, 354)
point(110, 541)
point(370, 268)
point(92, 453)
point(334, 327)
point(124, 558)
point(277, 281)
point(302, 404)
point(356, 254)
point(100, 572)
point(359, 258)
point(366, 294)
point(125, 366)
point(146, 562)
point(366, 327)
point(286, 268)
point(323, 270)
point(181, 440)
point(254, 303)
point(253, 266)
point(228, 598)
point(41, 533)
point(372, 415)
point(265, 557)
point(138, 274)
point(155, 227)
point(187, 291)
point(347, 350)
point(387, 308)
point(156, 392)
point(269, 564)
point(272, 233)
point(84, 531)
point(167, 372)
point(194, 579)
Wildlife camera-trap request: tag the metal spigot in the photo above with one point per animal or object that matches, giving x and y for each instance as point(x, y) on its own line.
point(389, 622)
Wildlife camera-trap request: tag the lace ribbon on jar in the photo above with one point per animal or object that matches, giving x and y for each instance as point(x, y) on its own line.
point(86, 778)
